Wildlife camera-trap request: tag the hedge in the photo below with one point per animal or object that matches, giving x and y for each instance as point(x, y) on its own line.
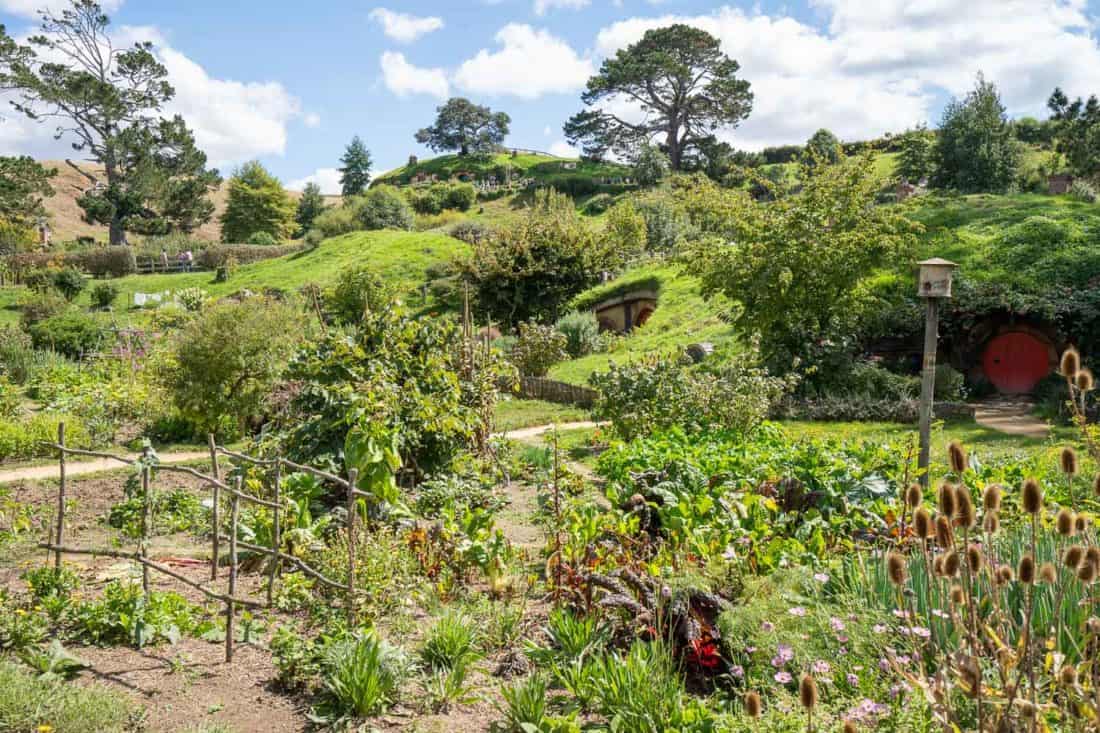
point(20, 441)
point(98, 262)
point(215, 256)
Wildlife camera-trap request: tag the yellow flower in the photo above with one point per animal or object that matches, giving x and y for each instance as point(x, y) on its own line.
point(20, 612)
point(45, 728)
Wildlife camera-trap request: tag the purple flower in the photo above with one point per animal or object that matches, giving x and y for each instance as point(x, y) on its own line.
point(797, 611)
point(878, 629)
point(821, 668)
point(884, 664)
point(920, 631)
point(821, 578)
point(852, 679)
point(738, 671)
point(836, 624)
point(767, 626)
point(940, 614)
point(783, 678)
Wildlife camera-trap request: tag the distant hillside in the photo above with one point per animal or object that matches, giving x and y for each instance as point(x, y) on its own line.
point(66, 217)
point(528, 165)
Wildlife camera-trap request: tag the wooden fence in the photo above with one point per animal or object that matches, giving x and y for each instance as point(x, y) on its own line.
point(551, 390)
point(147, 465)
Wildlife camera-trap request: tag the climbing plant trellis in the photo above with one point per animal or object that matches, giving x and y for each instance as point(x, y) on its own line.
point(219, 489)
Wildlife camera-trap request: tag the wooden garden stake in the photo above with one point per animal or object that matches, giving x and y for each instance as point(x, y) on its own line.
point(353, 476)
point(277, 539)
point(234, 515)
point(935, 284)
point(215, 514)
point(146, 519)
point(60, 529)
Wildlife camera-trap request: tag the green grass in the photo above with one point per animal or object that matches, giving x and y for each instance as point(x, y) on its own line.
point(26, 703)
point(682, 317)
point(528, 164)
point(512, 414)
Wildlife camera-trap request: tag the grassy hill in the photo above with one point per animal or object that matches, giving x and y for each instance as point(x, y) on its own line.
point(532, 165)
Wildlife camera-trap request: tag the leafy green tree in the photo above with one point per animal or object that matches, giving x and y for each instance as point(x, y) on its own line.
point(1035, 132)
point(822, 146)
point(224, 365)
point(1077, 131)
point(915, 154)
point(794, 266)
point(383, 207)
point(976, 150)
point(24, 184)
point(355, 171)
point(651, 166)
point(538, 348)
point(108, 102)
point(257, 202)
point(310, 206)
point(680, 78)
point(466, 127)
point(357, 291)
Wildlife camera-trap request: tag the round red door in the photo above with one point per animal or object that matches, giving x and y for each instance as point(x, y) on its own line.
point(1016, 361)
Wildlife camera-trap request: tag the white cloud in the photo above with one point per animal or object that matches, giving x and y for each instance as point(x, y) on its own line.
point(403, 79)
point(405, 28)
point(541, 6)
point(327, 178)
point(312, 119)
point(883, 65)
point(563, 149)
point(30, 8)
point(529, 63)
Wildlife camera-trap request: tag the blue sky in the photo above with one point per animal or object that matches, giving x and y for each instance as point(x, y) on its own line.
point(289, 83)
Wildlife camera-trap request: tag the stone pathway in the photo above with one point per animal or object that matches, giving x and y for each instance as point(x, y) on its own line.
point(1011, 415)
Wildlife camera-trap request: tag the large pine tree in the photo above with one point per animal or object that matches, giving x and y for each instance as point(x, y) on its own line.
point(355, 172)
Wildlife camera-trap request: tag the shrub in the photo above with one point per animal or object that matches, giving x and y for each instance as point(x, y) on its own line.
point(338, 220)
point(357, 290)
point(69, 282)
point(363, 675)
point(582, 333)
point(383, 207)
point(263, 239)
point(10, 399)
point(437, 221)
point(18, 358)
point(104, 295)
point(651, 166)
point(70, 333)
point(38, 307)
point(664, 224)
point(425, 199)
point(599, 203)
point(471, 232)
point(1082, 191)
point(192, 299)
point(97, 261)
point(459, 196)
point(451, 642)
point(314, 237)
point(218, 255)
point(574, 186)
point(538, 348)
point(25, 439)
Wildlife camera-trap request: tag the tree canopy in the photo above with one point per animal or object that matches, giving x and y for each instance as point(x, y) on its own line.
point(355, 171)
point(682, 82)
point(915, 154)
point(466, 127)
point(107, 101)
point(976, 150)
point(24, 183)
point(257, 202)
point(822, 146)
point(1077, 131)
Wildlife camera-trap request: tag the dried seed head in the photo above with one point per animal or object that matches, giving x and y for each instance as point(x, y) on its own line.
point(951, 562)
point(896, 568)
point(947, 500)
point(1064, 523)
point(991, 498)
point(974, 558)
point(1031, 497)
point(753, 704)
point(956, 455)
point(849, 727)
point(991, 523)
point(1047, 574)
point(937, 565)
point(971, 676)
point(1096, 485)
point(914, 496)
point(964, 507)
point(1084, 380)
point(958, 595)
point(1092, 555)
point(1068, 461)
point(1080, 524)
point(807, 692)
point(1026, 571)
point(1003, 575)
point(945, 536)
point(1026, 708)
point(1093, 625)
point(1071, 363)
point(1072, 557)
point(922, 523)
point(1086, 573)
point(1068, 675)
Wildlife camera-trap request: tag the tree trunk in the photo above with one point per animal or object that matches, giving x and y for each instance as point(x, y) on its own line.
point(116, 233)
point(464, 150)
point(675, 152)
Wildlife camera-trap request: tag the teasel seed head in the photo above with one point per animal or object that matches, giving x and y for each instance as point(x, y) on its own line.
point(1093, 625)
point(1096, 485)
point(1086, 573)
point(753, 704)
point(1064, 523)
point(1068, 675)
point(914, 497)
point(958, 595)
point(991, 523)
point(937, 565)
point(849, 727)
point(1047, 574)
point(991, 498)
point(956, 455)
point(896, 568)
point(964, 507)
point(807, 692)
point(1085, 381)
point(974, 558)
point(951, 563)
point(1031, 497)
point(1092, 555)
point(1071, 363)
point(1073, 556)
point(1004, 575)
point(922, 523)
point(1068, 461)
point(945, 536)
point(1026, 571)
point(947, 500)
point(1080, 524)
point(1026, 708)
point(971, 675)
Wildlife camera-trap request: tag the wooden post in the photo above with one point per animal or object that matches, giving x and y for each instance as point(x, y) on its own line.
point(928, 385)
point(235, 507)
point(60, 529)
point(146, 520)
point(276, 533)
point(353, 476)
point(215, 517)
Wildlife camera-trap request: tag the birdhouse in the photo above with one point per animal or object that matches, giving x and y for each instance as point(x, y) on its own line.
point(935, 278)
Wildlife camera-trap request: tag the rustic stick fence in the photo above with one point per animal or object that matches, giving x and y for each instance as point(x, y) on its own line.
point(219, 489)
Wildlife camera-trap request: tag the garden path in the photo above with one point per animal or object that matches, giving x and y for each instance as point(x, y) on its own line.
point(1011, 415)
point(98, 465)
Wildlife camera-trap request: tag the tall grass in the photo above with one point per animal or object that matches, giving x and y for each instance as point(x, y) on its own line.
point(27, 702)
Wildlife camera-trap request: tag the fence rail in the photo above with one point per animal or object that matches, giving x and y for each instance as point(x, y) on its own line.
point(147, 465)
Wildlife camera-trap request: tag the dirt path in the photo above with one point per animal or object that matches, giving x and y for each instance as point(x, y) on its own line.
point(1010, 415)
point(81, 468)
point(526, 434)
